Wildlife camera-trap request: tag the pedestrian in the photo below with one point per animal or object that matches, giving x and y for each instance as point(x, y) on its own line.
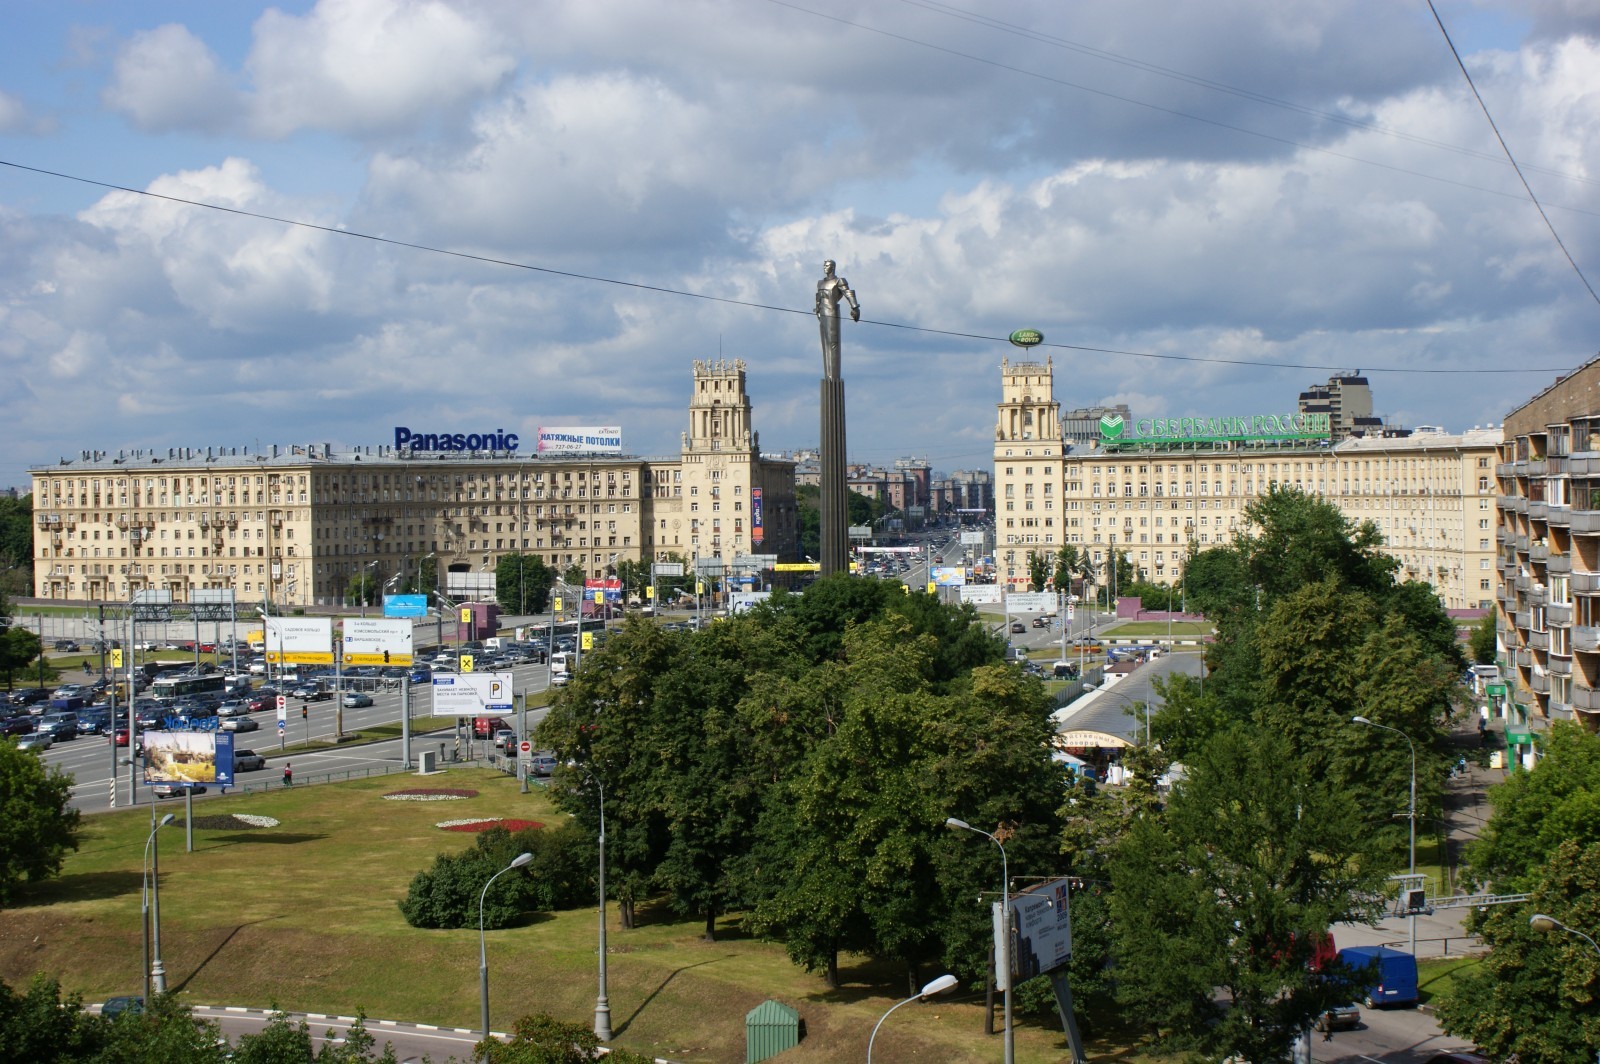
point(288, 775)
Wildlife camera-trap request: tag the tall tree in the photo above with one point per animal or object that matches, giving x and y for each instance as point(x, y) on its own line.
point(1534, 812)
point(37, 824)
point(522, 584)
point(16, 546)
point(1253, 857)
point(1483, 646)
point(1065, 569)
point(1038, 570)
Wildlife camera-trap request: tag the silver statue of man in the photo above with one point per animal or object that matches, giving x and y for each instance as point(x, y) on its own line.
point(830, 290)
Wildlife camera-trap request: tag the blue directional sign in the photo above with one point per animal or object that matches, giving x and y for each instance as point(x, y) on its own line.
point(405, 605)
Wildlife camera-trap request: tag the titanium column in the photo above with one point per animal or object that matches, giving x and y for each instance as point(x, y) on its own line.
point(835, 508)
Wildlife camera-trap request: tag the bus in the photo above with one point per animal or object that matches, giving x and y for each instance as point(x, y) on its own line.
point(169, 688)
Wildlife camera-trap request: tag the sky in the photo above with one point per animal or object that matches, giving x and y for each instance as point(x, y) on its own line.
point(1204, 208)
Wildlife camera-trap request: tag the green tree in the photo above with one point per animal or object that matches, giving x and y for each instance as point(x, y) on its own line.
point(522, 584)
point(1534, 812)
point(19, 648)
point(1483, 644)
point(542, 1039)
point(16, 546)
point(37, 824)
point(574, 577)
point(1254, 856)
point(1067, 565)
point(363, 589)
point(165, 1032)
point(1533, 998)
point(1038, 570)
point(42, 1025)
point(447, 895)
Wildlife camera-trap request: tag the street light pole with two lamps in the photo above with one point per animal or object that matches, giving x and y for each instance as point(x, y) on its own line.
point(1005, 931)
point(1412, 815)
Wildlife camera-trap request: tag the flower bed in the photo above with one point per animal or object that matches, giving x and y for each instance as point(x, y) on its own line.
point(485, 823)
point(429, 794)
point(233, 822)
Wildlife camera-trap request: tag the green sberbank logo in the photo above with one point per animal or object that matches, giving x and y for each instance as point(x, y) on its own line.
point(1178, 430)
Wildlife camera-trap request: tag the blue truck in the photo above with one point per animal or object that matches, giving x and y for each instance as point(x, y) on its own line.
point(1383, 976)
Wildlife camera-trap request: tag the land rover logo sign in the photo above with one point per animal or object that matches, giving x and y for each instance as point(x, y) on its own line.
point(1111, 426)
point(1027, 338)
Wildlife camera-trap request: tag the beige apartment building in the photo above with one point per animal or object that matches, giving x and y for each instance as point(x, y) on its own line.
point(1549, 542)
point(1161, 488)
point(294, 525)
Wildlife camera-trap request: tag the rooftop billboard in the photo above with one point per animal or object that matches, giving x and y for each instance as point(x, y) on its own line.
point(580, 439)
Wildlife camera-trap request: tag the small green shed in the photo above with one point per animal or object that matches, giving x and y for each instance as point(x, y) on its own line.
point(769, 1029)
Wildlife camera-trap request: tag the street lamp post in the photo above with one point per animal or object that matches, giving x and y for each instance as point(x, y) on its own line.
point(1005, 930)
point(155, 974)
point(602, 1007)
point(1412, 816)
point(521, 860)
point(938, 986)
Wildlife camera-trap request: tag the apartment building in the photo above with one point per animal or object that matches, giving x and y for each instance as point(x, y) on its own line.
point(294, 525)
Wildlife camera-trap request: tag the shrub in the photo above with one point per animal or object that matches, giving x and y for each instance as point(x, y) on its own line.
point(446, 896)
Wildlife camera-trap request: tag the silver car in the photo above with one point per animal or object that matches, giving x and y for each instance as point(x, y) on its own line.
point(37, 741)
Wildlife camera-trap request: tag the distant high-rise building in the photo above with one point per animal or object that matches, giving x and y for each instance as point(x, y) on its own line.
point(1347, 400)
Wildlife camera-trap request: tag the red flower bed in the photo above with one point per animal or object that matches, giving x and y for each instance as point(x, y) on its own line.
point(485, 825)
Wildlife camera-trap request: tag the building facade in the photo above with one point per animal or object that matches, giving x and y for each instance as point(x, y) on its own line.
point(1028, 453)
point(294, 526)
point(1549, 542)
point(1430, 494)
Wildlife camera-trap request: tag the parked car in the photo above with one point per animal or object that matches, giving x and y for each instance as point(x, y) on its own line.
point(421, 674)
point(66, 646)
point(18, 725)
point(116, 1006)
point(176, 790)
point(1339, 1018)
point(59, 726)
point(248, 761)
point(311, 692)
point(239, 724)
point(69, 690)
point(544, 764)
point(356, 699)
point(37, 741)
point(94, 721)
point(233, 707)
point(260, 704)
point(29, 696)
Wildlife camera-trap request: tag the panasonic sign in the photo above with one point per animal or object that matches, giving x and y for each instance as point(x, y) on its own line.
point(498, 440)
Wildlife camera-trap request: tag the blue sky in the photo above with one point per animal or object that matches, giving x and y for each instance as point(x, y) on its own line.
point(1268, 191)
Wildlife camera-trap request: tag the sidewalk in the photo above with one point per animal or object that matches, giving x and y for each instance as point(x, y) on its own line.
point(1466, 810)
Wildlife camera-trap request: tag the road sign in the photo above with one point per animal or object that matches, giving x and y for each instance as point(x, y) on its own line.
point(116, 658)
point(471, 694)
point(377, 641)
point(588, 641)
point(466, 663)
point(526, 747)
point(466, 615)
point(282, 724)
point(283, 705)
point(556, 605)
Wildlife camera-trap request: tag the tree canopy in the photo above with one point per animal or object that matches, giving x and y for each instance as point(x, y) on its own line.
point(37, 824)
point(522, 584)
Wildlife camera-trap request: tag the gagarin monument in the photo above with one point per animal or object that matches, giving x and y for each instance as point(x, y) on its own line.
point(831, 291)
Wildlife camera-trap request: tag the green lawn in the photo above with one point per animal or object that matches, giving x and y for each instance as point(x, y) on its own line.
point(304, 916)
point(1158, 628)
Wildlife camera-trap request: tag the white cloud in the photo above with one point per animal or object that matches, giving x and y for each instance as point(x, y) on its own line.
point(368, 67)
point(167, 78)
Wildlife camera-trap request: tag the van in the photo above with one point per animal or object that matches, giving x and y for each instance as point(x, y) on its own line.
point(559, 663)
point(1383, 977)
point(485, 727)
point(494, 643)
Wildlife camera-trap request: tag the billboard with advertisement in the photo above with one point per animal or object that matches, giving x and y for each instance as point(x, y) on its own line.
point(405, 605)
point(377, 641)
point(580, 439)
point(611, 587)
point(758, 531)
point(1041, 923)
point(972, 539)
point(299, 640)
point(472, 694)
point(949, 575)
point(184, 756)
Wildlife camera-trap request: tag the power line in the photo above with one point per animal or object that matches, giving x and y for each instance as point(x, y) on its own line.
point(663, 290)
point(1064, 44)
point(1213, 122)
point(1507, 149)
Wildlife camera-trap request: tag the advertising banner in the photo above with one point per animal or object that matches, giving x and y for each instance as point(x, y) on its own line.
point(299, 640)
point(972, 539)
point(949, 575)
point(377, 641)
point(580, 439)
point(181, 756)
point(757, 530)
point(611, 588)
point(797, 567)
point(1041, 922)
point(474, 694)
point(981, 594)
point(405, 605)
point(1032, 601)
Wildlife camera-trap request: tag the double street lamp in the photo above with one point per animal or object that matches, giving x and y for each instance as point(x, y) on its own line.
point(520, 861)
point(1412, 815)
point(1005, 932)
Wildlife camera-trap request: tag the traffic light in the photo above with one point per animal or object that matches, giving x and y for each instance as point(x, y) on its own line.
point(305, 712)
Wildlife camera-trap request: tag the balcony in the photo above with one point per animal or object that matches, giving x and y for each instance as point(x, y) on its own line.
point(1585, 698)
point(1539, 551)
point(1559, 563)
point(1558, 615)
point(1539, 640)
point(1586, 639)
point(1559, 516)
point(1505, 469)
point(1579, 464)
point(1539, 683)
point(1537, 511)
point(1560, 666)
point(1584, 520)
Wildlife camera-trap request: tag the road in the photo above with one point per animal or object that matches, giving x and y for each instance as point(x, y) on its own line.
point(88, 759)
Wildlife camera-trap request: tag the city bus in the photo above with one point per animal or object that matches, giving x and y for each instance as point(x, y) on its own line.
point(169, 688)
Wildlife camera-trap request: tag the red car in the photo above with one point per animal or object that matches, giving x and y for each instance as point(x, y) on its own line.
point(260, 704)
point(119, 737)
